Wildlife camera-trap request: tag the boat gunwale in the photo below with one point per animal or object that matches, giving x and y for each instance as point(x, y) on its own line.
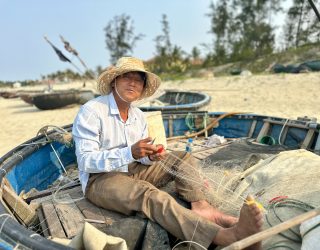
point(206, 99)
point(17, 232)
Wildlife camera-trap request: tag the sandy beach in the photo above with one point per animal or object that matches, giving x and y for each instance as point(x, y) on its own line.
point(284, 95)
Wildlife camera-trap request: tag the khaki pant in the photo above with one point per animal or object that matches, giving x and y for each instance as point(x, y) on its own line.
point(137, 191)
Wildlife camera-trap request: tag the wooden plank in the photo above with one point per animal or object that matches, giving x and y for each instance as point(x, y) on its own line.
point(252, 128)
point(42, 223)
point(317, 146)
point(49, 191)
point(307, 140)
point(89, 210)
point(70, 216)
point(289, 124)
point(264, 131)
point(19, 207)
point(170, 125)
point(37, 202)
point(52, 219)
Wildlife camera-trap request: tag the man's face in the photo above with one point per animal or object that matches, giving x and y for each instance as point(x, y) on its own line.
point(130, 85)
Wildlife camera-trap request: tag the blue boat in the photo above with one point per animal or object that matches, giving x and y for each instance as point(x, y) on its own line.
point(175, 100)
point(39, 162)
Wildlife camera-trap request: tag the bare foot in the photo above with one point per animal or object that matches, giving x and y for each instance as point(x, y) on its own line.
point(250, 222)
point(204, 209)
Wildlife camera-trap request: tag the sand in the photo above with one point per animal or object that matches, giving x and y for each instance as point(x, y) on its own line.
point(284, 95)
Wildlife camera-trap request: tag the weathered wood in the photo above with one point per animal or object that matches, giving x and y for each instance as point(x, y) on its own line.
point(49, 191)
point(42, 223)
point(89, 210)
point(70, 216)
point(252, 128)
point(317, 146)
point(37, 202)
point(264, 131)
point(52, 220)
point(16, 204)
point(289, 124)
point(170, 124)
point(307, 140)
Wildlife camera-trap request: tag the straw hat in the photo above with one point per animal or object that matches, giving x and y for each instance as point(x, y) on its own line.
point(124, 65)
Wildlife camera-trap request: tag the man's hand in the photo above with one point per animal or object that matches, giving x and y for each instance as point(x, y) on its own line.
point(143, 148)
point(159, 155)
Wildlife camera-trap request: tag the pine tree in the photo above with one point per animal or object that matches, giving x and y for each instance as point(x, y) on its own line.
point(120, 37)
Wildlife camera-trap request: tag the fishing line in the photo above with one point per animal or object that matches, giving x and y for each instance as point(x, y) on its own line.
point(194, 232)
point(188, 178)
point(217, 183)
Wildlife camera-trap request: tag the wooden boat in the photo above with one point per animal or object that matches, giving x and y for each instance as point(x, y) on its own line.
point(175, 100)
point(61, 99)
point(37, 163)
point(27, 98)
point(9, 94)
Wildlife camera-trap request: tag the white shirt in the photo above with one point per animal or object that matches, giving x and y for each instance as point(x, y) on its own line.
point(103, 140)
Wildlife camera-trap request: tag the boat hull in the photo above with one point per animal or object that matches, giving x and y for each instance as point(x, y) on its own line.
point(174, 100)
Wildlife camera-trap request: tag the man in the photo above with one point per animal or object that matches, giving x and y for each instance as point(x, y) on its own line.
point(121, 170)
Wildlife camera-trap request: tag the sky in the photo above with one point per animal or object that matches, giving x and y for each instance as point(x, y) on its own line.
point(25, 55)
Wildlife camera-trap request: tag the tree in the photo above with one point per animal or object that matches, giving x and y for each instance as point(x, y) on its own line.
point(220, 19)
point(120, 37)
point(255, 36)
point(163, 42)
point(169, 58)
point(195, 53)
point(241, 29)
point(302, 25)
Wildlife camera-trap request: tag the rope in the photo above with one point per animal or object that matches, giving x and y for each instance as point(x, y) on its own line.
point(177, 99)
point(190, 242)
point(189, 120)
point(280, 134)
point(290, 203)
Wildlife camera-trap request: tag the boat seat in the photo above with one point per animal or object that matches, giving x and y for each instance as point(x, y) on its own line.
point(156, 127)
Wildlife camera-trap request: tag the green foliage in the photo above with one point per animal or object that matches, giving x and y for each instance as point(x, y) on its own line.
point(64, 76)
point(302, 26)
point(241, 30)
point(120, 37)
point(169, 59)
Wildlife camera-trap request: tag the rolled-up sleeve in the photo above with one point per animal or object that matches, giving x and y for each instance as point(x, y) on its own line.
point(91, 156)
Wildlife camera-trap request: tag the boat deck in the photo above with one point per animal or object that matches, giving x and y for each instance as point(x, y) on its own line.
point(63, 211)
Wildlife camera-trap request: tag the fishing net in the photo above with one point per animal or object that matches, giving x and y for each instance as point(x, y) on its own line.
point(223, 171)
point(286, 184)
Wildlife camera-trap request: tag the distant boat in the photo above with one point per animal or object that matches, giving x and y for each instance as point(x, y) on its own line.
point(9, 94)
point(61, 99)
point(172, 100)
point(27, 96)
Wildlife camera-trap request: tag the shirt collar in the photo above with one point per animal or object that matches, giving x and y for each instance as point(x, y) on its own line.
point(113, 105)
point(115, 111)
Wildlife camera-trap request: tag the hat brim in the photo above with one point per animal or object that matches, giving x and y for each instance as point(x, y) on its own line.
point(106, 78)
